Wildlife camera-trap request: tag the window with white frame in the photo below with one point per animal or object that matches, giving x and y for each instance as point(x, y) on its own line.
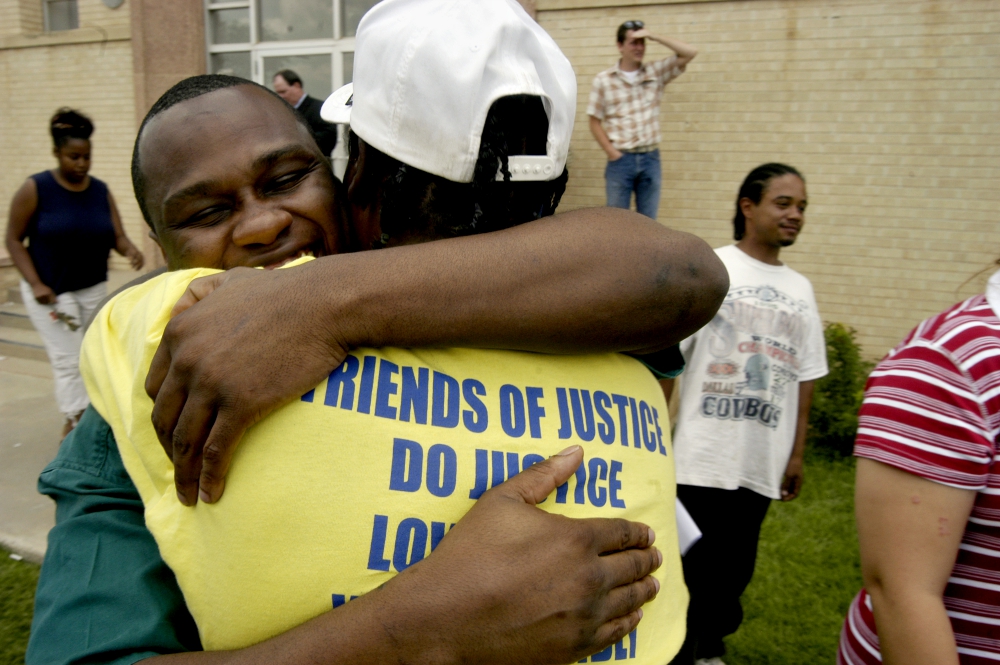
point(60, 15)
point(255, 39)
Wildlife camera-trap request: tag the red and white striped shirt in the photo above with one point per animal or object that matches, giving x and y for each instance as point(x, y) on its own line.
point(932, 408)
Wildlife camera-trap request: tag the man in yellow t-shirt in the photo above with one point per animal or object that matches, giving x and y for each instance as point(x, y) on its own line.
point(386, 454)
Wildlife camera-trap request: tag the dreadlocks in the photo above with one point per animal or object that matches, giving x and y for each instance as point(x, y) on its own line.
point(415, 202)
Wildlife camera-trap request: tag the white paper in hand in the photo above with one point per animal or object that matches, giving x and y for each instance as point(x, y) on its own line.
point(688, 532)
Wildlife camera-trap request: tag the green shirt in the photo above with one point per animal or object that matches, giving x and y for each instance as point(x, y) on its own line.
point(104, 594)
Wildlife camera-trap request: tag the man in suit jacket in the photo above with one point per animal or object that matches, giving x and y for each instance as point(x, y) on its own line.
point(288, 85)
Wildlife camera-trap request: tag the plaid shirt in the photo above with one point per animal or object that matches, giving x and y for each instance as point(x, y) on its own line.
point(630, 112)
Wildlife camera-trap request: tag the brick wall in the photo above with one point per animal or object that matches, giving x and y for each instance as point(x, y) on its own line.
point(20, 16)
point(94, 77)
point(891, 108)
point(95, 13)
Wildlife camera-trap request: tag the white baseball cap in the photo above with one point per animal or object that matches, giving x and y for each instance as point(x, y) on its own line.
point(427, 71)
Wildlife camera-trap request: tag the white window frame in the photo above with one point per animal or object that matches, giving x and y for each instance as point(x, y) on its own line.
point(45, 17)
point(259, 50)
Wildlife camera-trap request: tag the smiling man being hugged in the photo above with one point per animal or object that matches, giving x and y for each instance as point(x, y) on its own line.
point(376, 469)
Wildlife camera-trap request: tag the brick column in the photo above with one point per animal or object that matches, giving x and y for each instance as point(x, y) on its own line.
point(168, 45)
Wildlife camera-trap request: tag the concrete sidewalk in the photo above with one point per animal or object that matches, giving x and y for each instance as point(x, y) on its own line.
point(29, 438)
point(30, 433)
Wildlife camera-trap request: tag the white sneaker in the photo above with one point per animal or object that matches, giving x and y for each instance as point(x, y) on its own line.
point(709, 661)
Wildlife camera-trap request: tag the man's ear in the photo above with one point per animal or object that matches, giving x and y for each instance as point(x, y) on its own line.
point(363, 195)
point(156, 239)
point(363, 175)
point(747, 206)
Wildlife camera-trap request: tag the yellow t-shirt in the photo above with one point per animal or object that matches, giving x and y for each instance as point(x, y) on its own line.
point(332, 495)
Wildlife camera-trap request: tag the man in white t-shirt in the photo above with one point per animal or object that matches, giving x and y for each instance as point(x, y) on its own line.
point(744, 405)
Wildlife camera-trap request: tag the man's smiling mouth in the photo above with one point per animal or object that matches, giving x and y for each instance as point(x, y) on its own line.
point(293, 257)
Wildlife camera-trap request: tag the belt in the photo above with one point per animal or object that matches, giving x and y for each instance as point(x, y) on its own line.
point(641, 150)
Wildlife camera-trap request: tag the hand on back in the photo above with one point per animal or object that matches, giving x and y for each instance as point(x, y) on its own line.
point(513, 583)
point(227, 363)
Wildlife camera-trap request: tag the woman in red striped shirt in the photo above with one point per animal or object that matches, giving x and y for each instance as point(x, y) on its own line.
point(928, 496)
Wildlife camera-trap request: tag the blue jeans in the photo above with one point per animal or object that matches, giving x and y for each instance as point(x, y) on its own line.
point(638, 172)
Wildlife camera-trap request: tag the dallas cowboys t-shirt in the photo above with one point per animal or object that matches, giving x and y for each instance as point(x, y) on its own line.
point(740, 392)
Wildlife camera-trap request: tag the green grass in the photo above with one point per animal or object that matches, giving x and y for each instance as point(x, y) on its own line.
point(807, 573)
point(17, 597)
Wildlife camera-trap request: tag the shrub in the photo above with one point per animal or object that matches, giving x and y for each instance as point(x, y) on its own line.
point(833, 420)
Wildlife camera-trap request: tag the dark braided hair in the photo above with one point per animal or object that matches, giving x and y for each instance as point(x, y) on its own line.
point(68, 124)
point(515, 125)
point(753, 188)
point(415, 202)
point(189, 88)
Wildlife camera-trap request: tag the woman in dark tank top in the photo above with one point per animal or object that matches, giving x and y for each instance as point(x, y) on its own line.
point(71, 223)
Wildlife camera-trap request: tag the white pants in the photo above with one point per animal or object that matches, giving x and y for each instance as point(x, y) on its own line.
point(63, 344)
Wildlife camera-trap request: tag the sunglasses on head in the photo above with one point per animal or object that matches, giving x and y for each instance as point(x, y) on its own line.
point(633, 25)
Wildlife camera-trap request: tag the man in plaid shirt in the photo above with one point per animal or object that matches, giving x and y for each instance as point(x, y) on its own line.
point(624, 112)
